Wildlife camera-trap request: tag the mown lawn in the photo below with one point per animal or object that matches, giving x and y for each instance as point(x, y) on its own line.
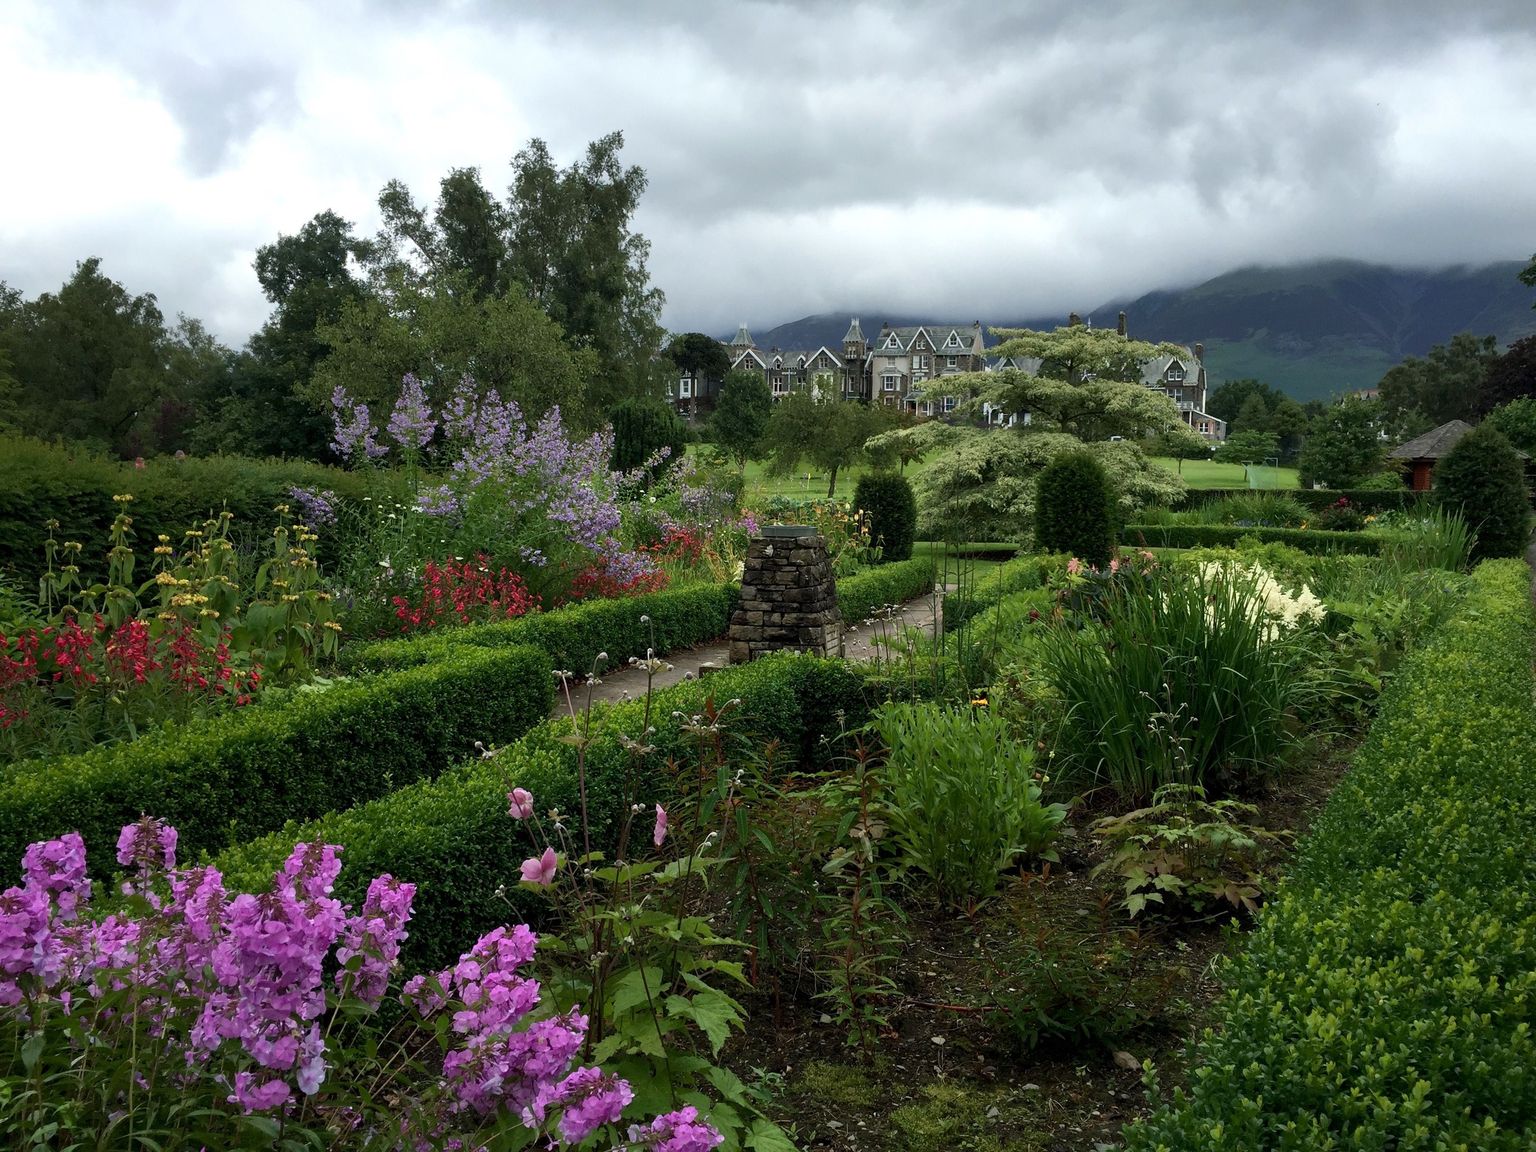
point(1209, 474)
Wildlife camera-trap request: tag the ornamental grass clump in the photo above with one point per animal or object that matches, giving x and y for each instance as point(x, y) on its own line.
point(1180, 679)
point(964, 798)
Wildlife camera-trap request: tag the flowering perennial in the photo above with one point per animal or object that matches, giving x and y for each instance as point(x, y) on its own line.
point(236, 997)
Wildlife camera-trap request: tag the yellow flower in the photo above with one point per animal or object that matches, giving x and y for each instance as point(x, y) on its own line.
point(332, 625)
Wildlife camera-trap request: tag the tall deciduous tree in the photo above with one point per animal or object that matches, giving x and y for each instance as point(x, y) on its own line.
point(741, 415)
point(701, 356)
point(1248, 448)
point(1445, 385)
point(1227, 400)
point(1344, 445)
point(830, 433)
point(1511, 376)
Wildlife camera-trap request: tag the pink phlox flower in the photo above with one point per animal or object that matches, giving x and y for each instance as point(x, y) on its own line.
point(258, 1095)
point(660, 833)
point(150, 845)
point(375, 935)
point(57, 867)
point(1074, 566)
point(26, 940)
point(312, 869)
point(541, 869)
point(590, 1097)
point(311, 1061)
point(1114, 564)
point(520, 804)
point(678, 1131)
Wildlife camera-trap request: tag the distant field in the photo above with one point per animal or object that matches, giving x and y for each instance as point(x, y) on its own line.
point(1208, 474)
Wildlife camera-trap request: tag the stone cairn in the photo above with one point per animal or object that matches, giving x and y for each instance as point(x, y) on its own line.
point(788, 597)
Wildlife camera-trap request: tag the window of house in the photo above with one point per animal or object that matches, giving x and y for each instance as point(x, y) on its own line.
point(685, 388)
point(949, 361)
point(889, 382)
point(953, 341)
point(894, 341)
point(1175, 373)
point(920, 362)
point(927, 407)
point(949, 403)
point(780, 386)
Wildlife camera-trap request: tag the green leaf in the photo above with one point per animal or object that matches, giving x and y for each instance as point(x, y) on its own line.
point(766, 1136)
point(32, 1051)
point(629, 991)
point(713, 1012)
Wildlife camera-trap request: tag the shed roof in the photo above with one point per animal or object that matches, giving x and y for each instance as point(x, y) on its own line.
point(1433, 444)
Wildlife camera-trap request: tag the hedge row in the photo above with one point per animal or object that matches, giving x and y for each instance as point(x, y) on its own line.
point(41, 482)
point(1018, 575)
point(574, 636)
point(1365, 500)
point(862, 595)
point(1388, 997)
point(1226, 536)
point(229, 778)
point(452, 836)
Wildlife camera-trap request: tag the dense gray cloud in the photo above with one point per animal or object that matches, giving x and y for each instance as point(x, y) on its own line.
point(962, 159)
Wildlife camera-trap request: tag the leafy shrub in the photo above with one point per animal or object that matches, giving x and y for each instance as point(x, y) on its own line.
point(1018, 575)
point(1186, 851)
point(1185, 679)
point(1075, 509)
point(1217, 536)
point(451, 836)
point(1385, 1000)
point(223, 780)
point(1340, 516)
point(642, 429)
point(887, 499)
point(1249, 509)
point(1368, 500)
point(1428, 537)
point(964, 803)
point(862, 595)
point(1482, 478)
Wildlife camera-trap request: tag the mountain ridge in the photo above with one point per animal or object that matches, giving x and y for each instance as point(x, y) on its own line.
point(1313, 330)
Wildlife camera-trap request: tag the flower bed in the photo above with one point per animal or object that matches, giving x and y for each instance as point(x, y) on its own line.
point(452, 837)
point(227, 779)
point(1386, 1000)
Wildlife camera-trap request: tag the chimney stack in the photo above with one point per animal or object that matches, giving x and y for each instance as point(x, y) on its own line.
point(1199, 351)
point(1120, 328)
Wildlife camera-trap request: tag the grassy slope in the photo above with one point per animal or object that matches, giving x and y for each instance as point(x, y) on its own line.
point(1208, 474)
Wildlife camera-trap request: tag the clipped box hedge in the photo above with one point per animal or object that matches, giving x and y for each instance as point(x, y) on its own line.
point(229, 778)
point(861, 595)
point(41, 482)
point(1019, 575)
point(573, 636)
point(1388, 997)
point(1227, 536)
point(1365, 500)
point(453, 838)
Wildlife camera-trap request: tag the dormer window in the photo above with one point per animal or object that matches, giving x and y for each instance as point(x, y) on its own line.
point(953, 341)
point(1175, 373)
point(894, 341)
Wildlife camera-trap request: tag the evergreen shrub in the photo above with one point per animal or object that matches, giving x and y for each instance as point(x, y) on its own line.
point(1483, 479)
point(223, 780)
point(863, 594)
point(1075, 509)
point(1228, 536)
point(887, 499)
point(640, 428)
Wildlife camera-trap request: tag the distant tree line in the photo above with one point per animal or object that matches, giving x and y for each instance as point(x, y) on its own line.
point(542, 295)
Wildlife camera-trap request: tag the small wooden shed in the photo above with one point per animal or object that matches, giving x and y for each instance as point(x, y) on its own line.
point(1422, 452)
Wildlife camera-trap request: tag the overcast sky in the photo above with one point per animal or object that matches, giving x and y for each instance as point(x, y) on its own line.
point(960, 160)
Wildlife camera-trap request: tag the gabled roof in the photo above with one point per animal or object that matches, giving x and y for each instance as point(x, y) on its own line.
point(1433, 444)
point(1152, 371)
point(833, 356)
point(749, 352)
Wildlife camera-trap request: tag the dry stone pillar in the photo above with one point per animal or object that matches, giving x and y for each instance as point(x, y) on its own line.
point(788, 597)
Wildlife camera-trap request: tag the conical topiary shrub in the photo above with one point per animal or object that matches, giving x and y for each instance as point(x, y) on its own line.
point(1075, 509)
point(892, 508)
point(1483, 478)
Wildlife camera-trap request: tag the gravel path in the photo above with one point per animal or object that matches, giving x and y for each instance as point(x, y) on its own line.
point(858, 644)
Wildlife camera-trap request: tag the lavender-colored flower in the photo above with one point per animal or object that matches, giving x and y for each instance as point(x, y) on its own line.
point(315, 508)
point(57, 868)
point(353, 428)
point(411, 424)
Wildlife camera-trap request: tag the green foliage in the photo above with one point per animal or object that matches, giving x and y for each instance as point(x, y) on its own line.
point(860, 596)
point(1250, 508)
point(741, 415)
point(1227, 401)
point(1184, 678)
point(982, 485)
point(321, 748)
point(574, 635)
point(42, 482)
point(1074, 509)
point(1511, 377)
point(1221, 535)
point(887, 499)
point(640, 429)
point(1247, 447)
point(1517, 420)
point(829, 432)
point(452, 835)
point(962, 798)
point(1482, 478)
point(1446, 385)
point(1385, 1000)
point(1184, 851)
point(1367, 500)
point(1343, 446)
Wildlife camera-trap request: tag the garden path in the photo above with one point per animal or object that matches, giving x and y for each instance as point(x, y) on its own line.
point(859, 643)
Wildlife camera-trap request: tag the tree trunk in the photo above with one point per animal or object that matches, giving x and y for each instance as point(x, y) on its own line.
point(832, 483)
